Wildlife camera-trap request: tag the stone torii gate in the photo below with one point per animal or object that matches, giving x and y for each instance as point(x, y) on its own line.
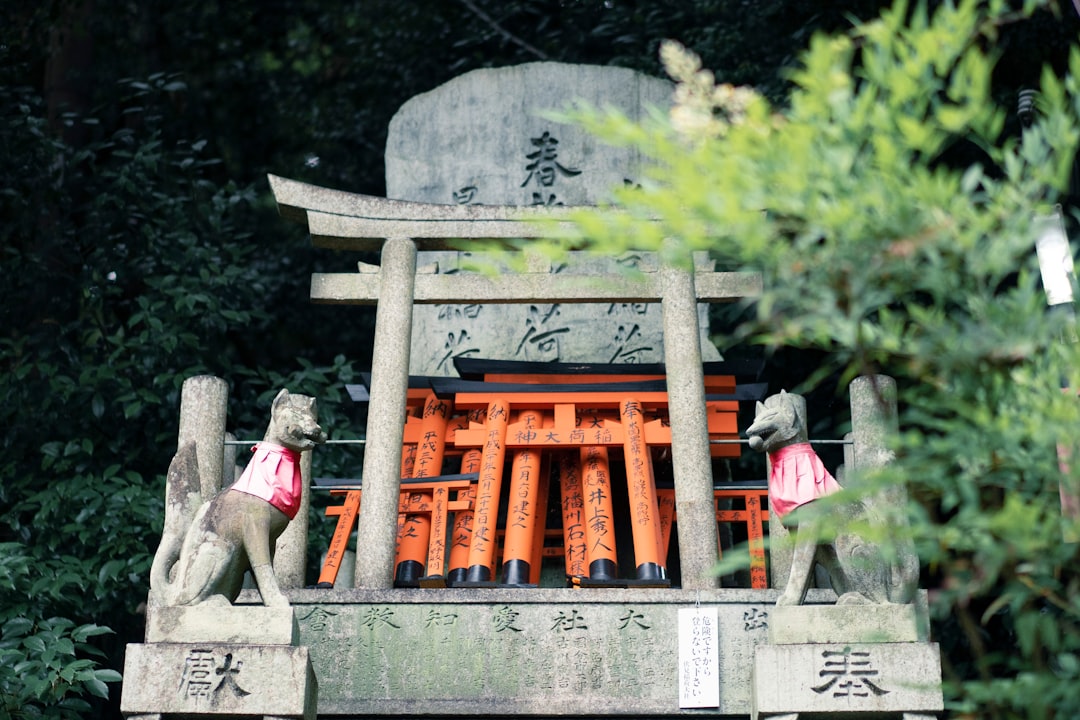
point(397, 230)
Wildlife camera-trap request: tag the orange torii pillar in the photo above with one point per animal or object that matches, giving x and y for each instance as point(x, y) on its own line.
point(644, 510)
point(599, 514)
point(488, 487)
point(665, 501)
point(573, 515)
point(540, 526)
point(522, 508)
point(415, 402)
point(408, 447)
point(462, 532)
point(415, 529)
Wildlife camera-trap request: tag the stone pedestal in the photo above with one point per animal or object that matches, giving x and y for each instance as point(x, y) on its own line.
point(816, 624)
point(865, 662)
point(248, 625)
point(219, 662)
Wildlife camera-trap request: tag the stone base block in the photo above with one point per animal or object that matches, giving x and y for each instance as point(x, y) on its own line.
point(810, 624)
point(884, 680)
point(245, 625)
point(196, 680)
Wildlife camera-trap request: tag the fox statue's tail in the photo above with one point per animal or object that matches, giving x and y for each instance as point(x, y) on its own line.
point(182, 500)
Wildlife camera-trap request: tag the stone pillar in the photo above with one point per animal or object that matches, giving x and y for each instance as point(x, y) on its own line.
point(203, 408)
point(873, 421)
point(377, 524)
point(691, 461)
point(228, 467)
point(290, 555)
point(346, 576)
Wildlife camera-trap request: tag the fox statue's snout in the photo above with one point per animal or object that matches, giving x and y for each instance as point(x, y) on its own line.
point(294, 422)
point(776, 423)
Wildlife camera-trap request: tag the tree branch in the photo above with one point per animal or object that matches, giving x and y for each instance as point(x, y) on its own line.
point(503, 31)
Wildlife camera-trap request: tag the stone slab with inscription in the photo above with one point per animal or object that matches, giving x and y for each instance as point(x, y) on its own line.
point(483, 138)
point(197, 680)
point(252, 625)
point(505, 651)
point(846, 680)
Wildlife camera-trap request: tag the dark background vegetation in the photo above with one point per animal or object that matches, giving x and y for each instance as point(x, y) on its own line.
point(140, 245)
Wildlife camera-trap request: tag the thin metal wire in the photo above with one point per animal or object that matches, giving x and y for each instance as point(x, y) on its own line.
point(361, 441)
point(811, 441)
point(358, 441)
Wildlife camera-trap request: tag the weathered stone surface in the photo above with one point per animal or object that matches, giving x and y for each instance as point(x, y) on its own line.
point(482, 138)
point(252, 625)
point(520, 652)
point(290, 553)
point(846, 680)
point(377, 522)
point(805, 624)
point(196, 680)
point(203, 401)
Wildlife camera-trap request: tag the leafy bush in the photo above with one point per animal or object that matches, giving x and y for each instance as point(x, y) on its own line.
point(877, 248)
point(135, 269)
point(44, 668)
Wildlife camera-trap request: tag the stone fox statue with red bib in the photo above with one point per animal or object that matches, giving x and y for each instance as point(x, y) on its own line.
point(860, 572)
point(206, 547)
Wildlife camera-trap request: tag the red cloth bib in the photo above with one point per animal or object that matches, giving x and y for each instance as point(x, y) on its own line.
point(273, 475)
point(797, 476)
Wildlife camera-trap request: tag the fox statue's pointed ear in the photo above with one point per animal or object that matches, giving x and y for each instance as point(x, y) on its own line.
point(783, 393)
point(281, 397)
point(759, 406)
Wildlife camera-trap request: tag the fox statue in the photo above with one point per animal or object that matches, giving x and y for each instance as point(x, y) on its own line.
point(859, 571)
point(206, 547)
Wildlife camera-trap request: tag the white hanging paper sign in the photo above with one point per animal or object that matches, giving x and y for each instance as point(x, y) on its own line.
point(699, 658)
point(1055, 258)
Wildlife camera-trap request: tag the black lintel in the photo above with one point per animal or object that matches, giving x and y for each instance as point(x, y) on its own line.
point(448, 386)
point(744, 393)
point(475, 368)
point(415, 381)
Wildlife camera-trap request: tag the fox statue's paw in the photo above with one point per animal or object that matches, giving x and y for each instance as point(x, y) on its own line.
point(854, 598)
point(788, 599)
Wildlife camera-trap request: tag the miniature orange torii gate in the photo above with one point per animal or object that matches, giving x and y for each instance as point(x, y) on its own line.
point(631, 430)
point(419, 496)
point(396, 229)
point(435, 429)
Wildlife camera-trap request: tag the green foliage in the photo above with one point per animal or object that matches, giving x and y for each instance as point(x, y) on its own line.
point(135, 268)
point(879, 250)
point(44, 668)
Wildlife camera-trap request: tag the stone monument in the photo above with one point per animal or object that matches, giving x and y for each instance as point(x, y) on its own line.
point(485, 138)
